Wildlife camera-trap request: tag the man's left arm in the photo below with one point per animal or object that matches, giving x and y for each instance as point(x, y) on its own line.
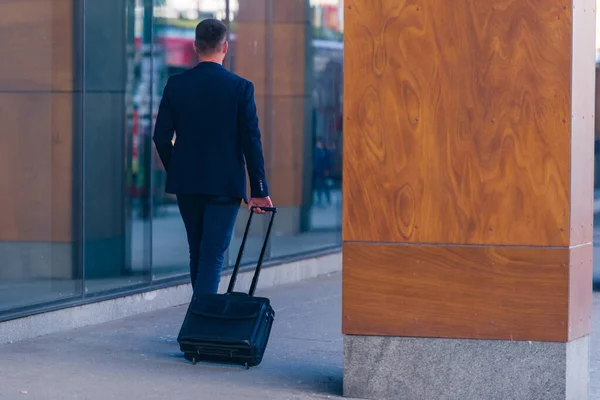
point(164, 129)
point(252, 147)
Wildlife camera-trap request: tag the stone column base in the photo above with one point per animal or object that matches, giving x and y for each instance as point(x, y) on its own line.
point(460, 369)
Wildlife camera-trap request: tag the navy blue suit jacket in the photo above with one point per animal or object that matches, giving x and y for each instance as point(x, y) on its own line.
point(213, 115)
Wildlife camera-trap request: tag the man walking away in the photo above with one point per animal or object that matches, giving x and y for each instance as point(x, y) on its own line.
point(321, 171)
point(212, 112)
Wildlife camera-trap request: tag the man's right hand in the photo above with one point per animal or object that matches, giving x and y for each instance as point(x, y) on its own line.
point(259, 202)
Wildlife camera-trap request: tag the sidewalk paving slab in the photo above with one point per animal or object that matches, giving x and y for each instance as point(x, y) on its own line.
point(138, 357)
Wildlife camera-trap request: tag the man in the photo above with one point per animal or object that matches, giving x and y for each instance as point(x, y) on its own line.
point(213, 115)
point(321, 171)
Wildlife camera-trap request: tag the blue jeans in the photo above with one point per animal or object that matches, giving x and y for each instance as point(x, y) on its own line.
point(209, 223)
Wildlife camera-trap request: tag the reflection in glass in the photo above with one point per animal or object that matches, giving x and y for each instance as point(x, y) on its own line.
point(38, 104)
point(133, 230)
point(90, 214)
point(173, 52)
point(37, 262)
point(294, 56)
point(327, 19)
point(327, 94)
point(116, 125)
point(327, 135)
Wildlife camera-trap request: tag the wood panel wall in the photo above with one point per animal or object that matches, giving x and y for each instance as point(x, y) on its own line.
point(36, 98)
point(468, 169)
point(282, 116)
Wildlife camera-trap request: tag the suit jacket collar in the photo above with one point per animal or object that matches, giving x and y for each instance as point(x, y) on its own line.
point(208, 64)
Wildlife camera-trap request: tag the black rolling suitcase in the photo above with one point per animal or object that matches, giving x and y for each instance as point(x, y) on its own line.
point(232, 327)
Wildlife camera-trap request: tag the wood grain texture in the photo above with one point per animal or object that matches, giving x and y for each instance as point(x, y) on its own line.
point(582, 122)
point(480, 292)
point(457, 122)
point(36, 167)
point(36, 52)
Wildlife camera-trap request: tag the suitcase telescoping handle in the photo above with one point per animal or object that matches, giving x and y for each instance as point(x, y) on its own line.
point(236, 268)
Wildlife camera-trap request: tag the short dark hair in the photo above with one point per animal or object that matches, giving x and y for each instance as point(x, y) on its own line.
point(210, 34)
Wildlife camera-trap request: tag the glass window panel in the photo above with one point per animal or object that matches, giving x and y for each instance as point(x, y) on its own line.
point(173, 44)
point(327, 132)
point(272, 45)
point(293, 52)
point(327, 19)
point(116, 145)
point(38, 109)
point(249, 49)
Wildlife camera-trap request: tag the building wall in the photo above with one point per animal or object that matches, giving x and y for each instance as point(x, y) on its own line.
point(81, 187)
point(472, 149)
point(37, 93)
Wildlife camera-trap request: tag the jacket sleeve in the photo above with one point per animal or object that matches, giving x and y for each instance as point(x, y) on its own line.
point(164, 129)
point(251, 142)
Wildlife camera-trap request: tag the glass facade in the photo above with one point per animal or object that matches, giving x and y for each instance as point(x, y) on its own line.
point(84, 209)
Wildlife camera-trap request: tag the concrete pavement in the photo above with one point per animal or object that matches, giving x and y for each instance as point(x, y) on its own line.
point(138, 357)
